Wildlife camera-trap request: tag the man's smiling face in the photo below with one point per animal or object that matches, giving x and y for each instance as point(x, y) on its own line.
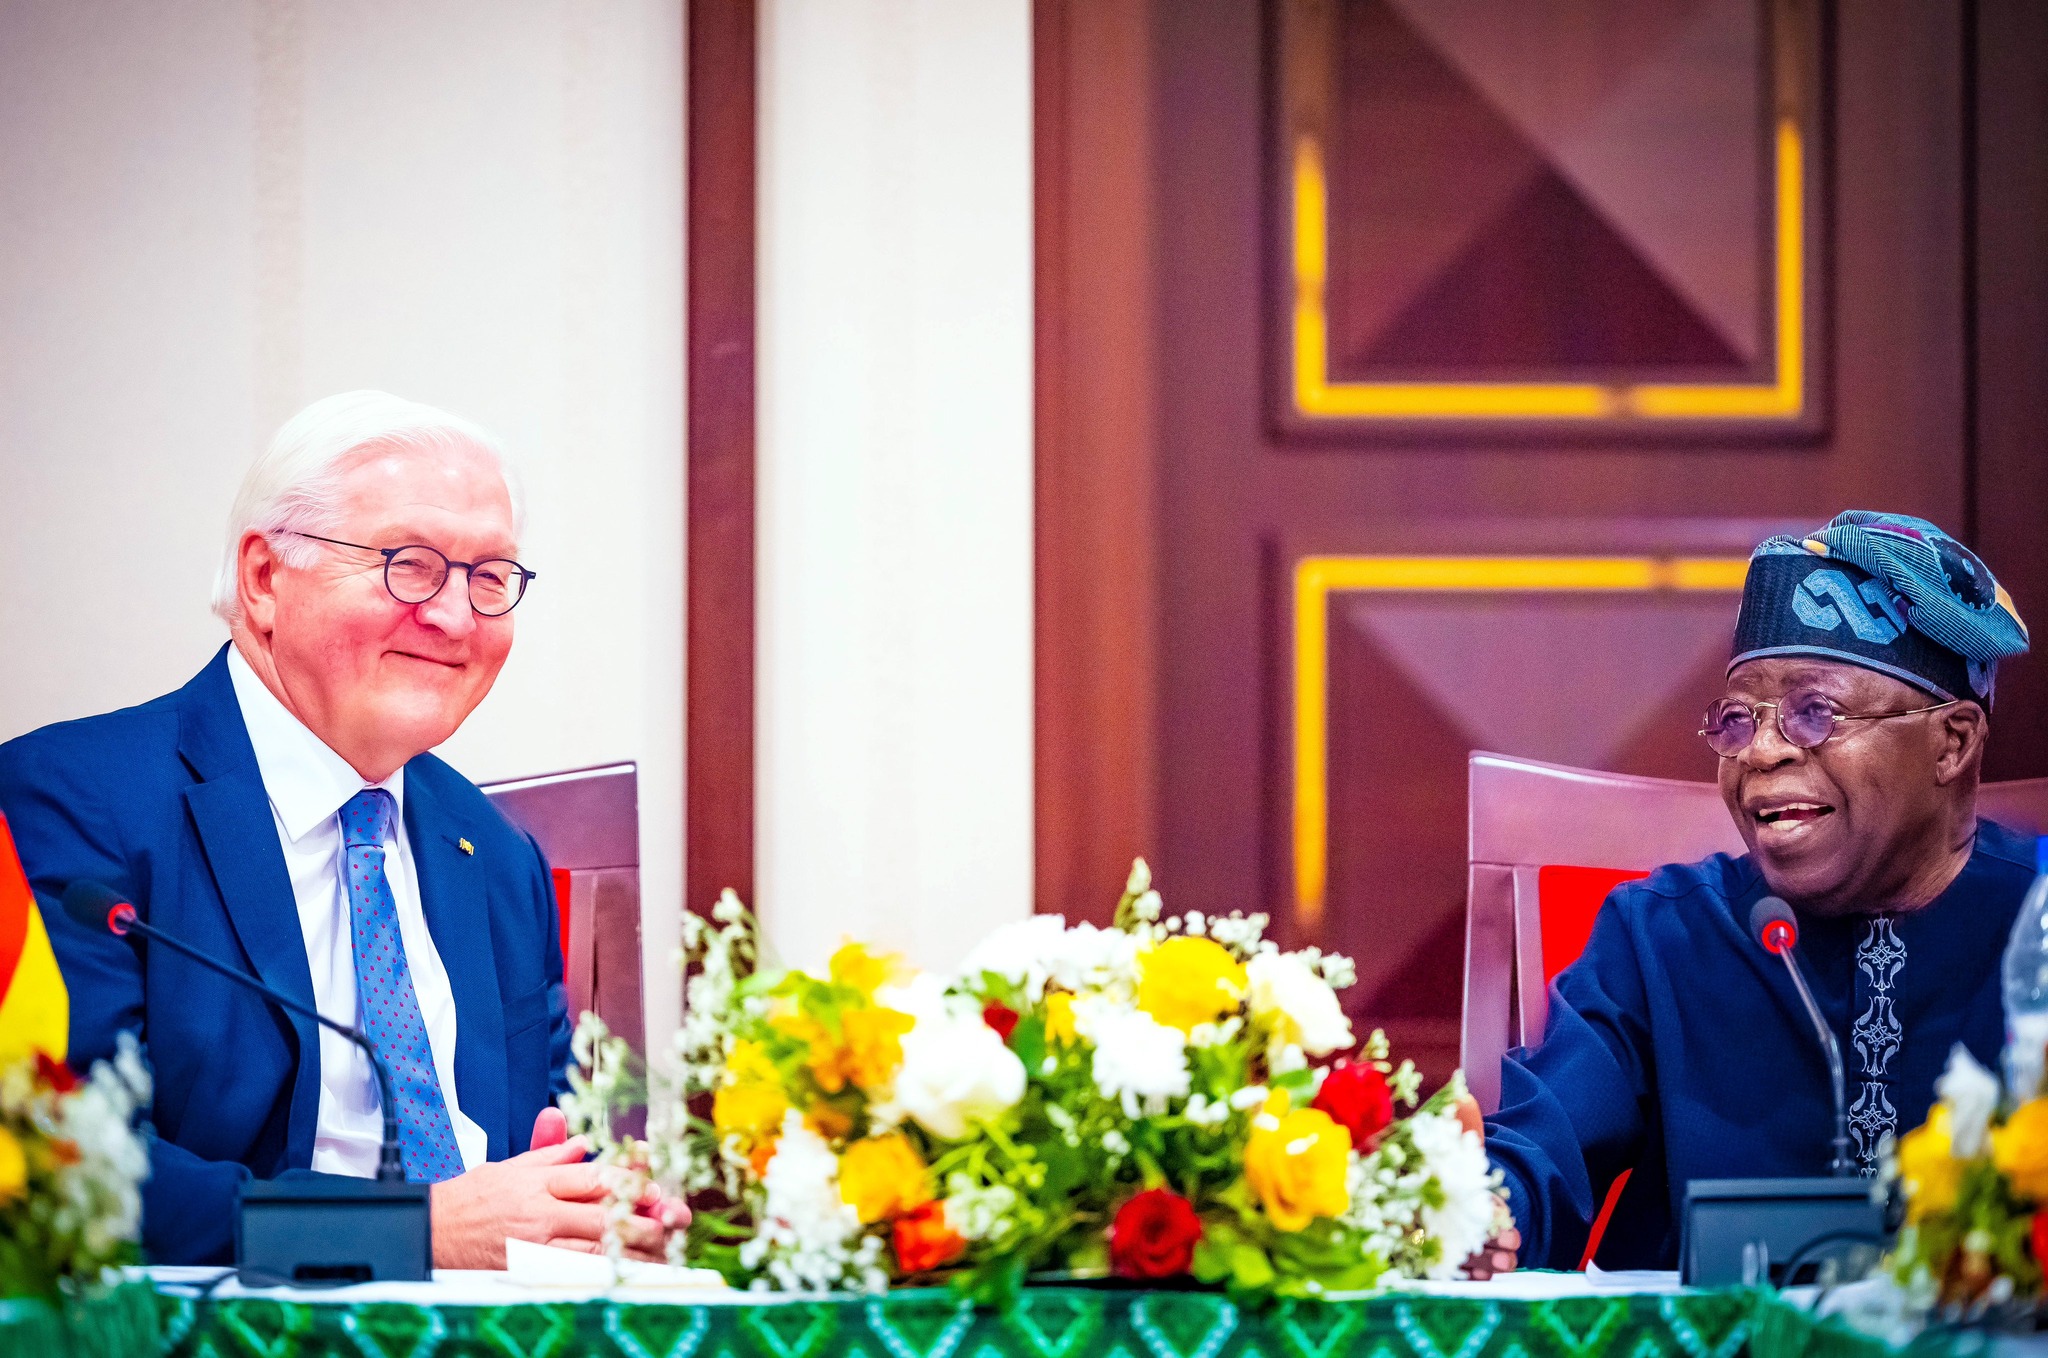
point(1844, 825)
point(363, 671)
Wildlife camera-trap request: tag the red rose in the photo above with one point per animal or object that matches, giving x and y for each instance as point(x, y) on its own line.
point(1000, 1017)
point(1355, 1095)
point(1154, 1235)
point(53, 1074)
point(924, 1241)
point(2040, 1237)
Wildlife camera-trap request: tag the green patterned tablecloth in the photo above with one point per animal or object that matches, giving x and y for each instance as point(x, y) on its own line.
point(112, 1324)
point(1051, 1323)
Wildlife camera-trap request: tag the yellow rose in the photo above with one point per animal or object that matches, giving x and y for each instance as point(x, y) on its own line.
point(1059, 1018)
point(749, 1063)
point(1298, 1163)
point(13, 1167)
point(882, 1177)
point(1928, 1166)
point(748, 1110)
point(1186, 981)
point(853, 965)
point(2020, 1149)
point(750, 1104)
point(868, 1053)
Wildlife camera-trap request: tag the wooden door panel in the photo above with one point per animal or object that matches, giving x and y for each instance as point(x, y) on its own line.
point(1223, 503)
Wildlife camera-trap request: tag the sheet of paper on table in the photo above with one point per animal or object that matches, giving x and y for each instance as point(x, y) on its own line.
point(1539, 1285)
point(535, 1273)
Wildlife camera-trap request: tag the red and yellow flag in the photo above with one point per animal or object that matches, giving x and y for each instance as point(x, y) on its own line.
point(35, 1009)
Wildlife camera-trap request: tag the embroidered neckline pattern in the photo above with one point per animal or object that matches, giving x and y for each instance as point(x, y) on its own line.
point(1877, 1036)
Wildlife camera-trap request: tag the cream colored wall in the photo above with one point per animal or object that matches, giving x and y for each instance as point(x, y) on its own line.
point(213, 211)
point(894, 722)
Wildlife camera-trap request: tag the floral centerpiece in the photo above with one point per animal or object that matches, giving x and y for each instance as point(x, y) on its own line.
point(71, 1170)
point(1974, 1178)
point(1165, 1098)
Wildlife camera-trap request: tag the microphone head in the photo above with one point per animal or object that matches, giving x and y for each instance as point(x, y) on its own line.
point(1772, 924)
point(97, 906)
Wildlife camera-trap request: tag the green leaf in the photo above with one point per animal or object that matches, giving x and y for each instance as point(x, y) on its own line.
point(1294, 1081)
point(1211, 1263)
point(1250, 1268)
point(1027, 1039)
point(1090, 1255)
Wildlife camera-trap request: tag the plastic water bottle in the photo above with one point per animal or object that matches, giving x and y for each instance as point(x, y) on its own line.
point(2026, 986)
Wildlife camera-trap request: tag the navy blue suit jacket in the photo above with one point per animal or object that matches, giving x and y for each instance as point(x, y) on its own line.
point(163, 803)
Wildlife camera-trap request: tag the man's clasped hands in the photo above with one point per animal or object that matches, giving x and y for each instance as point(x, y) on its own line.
point(548, 1195)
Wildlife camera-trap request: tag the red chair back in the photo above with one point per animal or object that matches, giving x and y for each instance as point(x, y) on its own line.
point(587, 823)
point(1548, 842)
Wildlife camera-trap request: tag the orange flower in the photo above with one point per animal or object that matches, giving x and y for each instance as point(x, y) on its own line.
point(828, 1122)
point(924, 1241)
point(867, 1054)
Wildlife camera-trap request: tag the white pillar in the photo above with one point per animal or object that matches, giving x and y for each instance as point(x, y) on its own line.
point(895, 530)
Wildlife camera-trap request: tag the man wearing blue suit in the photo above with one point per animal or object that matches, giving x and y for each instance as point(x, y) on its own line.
point(281, 809)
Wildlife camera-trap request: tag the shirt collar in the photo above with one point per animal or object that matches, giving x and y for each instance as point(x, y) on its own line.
point(308, 783)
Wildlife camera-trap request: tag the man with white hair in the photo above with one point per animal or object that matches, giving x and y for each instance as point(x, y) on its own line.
point(282, 809)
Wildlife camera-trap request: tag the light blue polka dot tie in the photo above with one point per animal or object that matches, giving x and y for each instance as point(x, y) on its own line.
point(384, 995)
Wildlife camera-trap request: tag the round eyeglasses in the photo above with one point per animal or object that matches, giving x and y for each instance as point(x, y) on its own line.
point(1806, 718)
point(415, 573)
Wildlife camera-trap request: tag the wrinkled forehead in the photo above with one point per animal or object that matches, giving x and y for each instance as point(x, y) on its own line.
point(1773, 677)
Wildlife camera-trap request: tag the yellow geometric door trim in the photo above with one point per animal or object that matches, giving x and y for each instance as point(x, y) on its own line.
point(1317, 577)
point(1782, 398)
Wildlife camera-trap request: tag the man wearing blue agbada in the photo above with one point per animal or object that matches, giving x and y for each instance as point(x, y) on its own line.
point(1851, 736)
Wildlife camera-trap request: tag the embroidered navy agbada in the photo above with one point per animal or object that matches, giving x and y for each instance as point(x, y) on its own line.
point(1676, 1047)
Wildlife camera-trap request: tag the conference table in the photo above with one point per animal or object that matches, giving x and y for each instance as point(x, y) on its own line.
point(200, 1313)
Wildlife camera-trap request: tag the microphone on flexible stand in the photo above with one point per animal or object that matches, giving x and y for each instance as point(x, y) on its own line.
point(1772, 924)
point(97, 906)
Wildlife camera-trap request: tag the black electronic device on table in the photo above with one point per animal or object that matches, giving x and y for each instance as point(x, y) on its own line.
point(327, 1229)
point(307, 1228)
point(1780, 1231)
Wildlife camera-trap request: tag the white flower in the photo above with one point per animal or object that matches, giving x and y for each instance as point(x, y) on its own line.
point(979, 1213)
point(1030, 953)
point(1021, 952)
point(1971, 1093)
point(956, 1070)
point(1287, 995)
point(1136, 1057)
point(1464, 1219)
point(809, 1239)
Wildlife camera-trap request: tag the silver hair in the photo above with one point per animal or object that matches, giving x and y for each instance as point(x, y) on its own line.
point(295, 486)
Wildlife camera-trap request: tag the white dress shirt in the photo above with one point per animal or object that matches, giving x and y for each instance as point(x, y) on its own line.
point(308, 784)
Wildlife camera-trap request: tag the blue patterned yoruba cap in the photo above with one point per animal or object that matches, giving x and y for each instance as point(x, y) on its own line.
point(1888, 592)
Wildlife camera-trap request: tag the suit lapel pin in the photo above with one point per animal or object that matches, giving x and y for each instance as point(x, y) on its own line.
point(466, 847)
